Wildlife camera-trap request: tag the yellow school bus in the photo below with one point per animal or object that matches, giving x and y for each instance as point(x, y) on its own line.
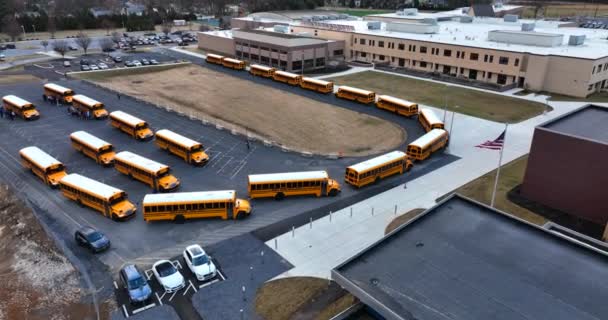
point(195, 205)
point(233, 64)
point(317, 85)
point(372, 170)
point(156, 175)
point(426, 145)
point(355, 94)
point(287, 77)
point(187, 149)
point(91, 146)
point(262, 71)
point(429, 120)
point(56, 93)
point(214, 58)
point(85, 104)
point(111, 202)
point(280, 185)
point(47, 168)
point(399, 106)
point(20, 107)
point(131, 125)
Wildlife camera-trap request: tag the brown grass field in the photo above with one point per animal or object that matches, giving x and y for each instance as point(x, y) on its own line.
point(288, 119)
point(569, 9)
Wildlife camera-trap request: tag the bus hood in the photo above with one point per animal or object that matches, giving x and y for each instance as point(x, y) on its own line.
point(124, 209)
point(56, 177)
point(101, 113)
point(333, 184)
point(31, 114)
point(144, 134)
point(68, 99)
point(169, 182)
point(200, 157)
point(243, 205)
point(107, 158)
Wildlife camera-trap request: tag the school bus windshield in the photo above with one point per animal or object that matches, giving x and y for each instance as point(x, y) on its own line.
point(117, 199)
point(54, 169)
point(97, 107)
point(196, 148)
point(142, 126)
point(106, 149)
point(27, 107)
point(163, 173)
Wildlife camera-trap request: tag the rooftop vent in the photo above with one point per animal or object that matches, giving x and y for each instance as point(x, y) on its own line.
point(528, 26)
point(374, 25)
point(430, 21)
point(306, 18)
point(342, 16)
point(576, 40)
point(412, 27)
point(466, 19)
point(511, 18)
point(281, 28)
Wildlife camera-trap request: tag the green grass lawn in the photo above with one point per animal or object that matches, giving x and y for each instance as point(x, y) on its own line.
point(363, 12)
point(467, 101)
point(595, 97)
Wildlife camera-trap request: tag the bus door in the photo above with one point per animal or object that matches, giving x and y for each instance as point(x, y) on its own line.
point(230, 209)
point(106, 208)
point(324, 187)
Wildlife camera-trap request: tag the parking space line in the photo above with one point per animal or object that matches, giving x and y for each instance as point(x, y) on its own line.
point(221, 275)
point(159, 298)
point(144, 308)
point(208, 283)
point(173, 295)
point(188, 288)
point(124, 309)
point(148, 274)
point(115, 285)
point(176, 264)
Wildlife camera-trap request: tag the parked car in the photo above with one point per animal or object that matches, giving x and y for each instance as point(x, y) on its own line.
point(92, 239)
point(129, 64)
point(85, 67)
point(2, 57)
point(10, 46)
point(136, 63)
point(117, 59)
point(103, 66)
point(168, 276)
point(67, 64)
point(153, 62)
point(94, 67)
point(84, 61)
point(72, 47)
point(136, 284)
point(199, 263)
point(145, 62)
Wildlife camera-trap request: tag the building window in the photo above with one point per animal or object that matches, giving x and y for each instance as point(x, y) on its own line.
point(503, 60)
point(372, 42)
point(605, 66)
point(501, 79)
point(363, 54)
point(274, 62)
point(264, 48)
point(246, 55)
point(474, 56)
point(409, 48)
point(593, 71)
point(414, 48)
point(401, 62)
point(401, 46)
point(373, 56)
point(516, 62)
point(392, 59)
point(462, 55)
point(447, 53)
point(338, 52)
point(457, 54)
point(414, 63)
point(590, 87)
point(283, 52)
point(362, 41)
point(491, 59)
point(254, 57)
point(296, 65)
point(381, 57)
point(320, 62)
point(485, 58)
point(391, 45)
point(422, 49)
point(264, 59)
point(489, 75)
point(381, 44)
point(422, 64)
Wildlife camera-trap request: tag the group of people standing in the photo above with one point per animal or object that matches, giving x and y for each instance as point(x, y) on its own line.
point(86, 115)
point(9, 114)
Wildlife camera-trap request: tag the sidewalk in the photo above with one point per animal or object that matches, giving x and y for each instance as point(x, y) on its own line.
point(333, 239)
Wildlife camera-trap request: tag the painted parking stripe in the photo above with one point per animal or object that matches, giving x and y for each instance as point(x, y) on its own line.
point(124, 309)
point(144, 308)
point(208, 283)
point(159, 298)
point(115, 285)
point(221, 275)
point(173, 295)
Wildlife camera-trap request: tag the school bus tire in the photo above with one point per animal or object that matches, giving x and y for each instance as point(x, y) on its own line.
point(114, 217)
point(79, 203)
point(240, 215)
point(179, 219)
point(333, 192)
point(279, 196)
point(44, 97)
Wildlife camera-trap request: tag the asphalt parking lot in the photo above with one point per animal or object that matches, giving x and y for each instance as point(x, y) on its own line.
point(96, 58)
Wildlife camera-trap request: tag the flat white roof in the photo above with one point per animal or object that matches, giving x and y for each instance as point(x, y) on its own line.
point(395, 100)
point(89, 139)
point(233, 60)
point(277, 177)
point(371, 163)
point(15, 100)
point(129, 119)
point(93, 186)
point(261, 67)
point(159, 198)
point(56, 87)
point(138, 160)
point(168, 134)
point(317, 81)
point(430, 116)
point(428, 137)
point(357, 90)
point(286, 74)
point(85, 100)
point(42, 158)
point(211, 55)
point(475, 34)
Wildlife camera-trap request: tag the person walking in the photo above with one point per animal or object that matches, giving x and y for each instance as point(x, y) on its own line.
point(248, 145)
point(12, 115)
point(88, 115)
point(1, 112)
point(118, 95)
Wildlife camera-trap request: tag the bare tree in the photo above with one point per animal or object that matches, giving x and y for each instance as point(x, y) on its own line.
point(45, 44)
point(61, 47)
point(539, 6)
point(166, 27)
point(106, 45)
point(107, 25)
point(10, 26)
point(51, 27)
point(116, 38)
point(83, 41)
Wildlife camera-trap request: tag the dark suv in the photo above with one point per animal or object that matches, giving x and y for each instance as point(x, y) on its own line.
point(92, 239)
point(135, 282)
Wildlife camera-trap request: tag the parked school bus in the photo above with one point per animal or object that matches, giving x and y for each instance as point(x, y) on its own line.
point(287, 77)
point(156, 175)
point(280, 185)
point(91, 146)
point(194, 205)
point(317, 85)
point(56, 93)
point(20, 107)
point(399, 106)
point(187, 149)
point(83, 103)
point(426, 145)
point(429, 120)
point(233, 63)
point(111, 202)
point(131, 125)
point(262, 71)
point(47, 168)
point(214, 58)
point(372, 170)
point(355, 94)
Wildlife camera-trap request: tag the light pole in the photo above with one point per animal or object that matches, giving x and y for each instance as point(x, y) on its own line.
point(23, 28)
point(34, 27)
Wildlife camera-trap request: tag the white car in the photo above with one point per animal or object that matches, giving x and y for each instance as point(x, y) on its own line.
point(168, 276)
point(199, 263)
point(103, 66)
point(137, 63)
point(94, 67)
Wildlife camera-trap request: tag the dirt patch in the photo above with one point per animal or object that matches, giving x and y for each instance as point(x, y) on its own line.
point(38, 282)
point(402, 219)
point(14, 78)
point(291, 120)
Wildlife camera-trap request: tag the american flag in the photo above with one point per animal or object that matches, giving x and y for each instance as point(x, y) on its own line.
point(495, 144)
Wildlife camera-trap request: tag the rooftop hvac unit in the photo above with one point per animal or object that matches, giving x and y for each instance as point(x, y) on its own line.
point(374, 25)
point(430, 21)
point(306, 18)
point(333, 17)
point(281, 28)
point(528, 26)
point(410, 12)
point(317, 18)
point(465, 10)
point(511, 18)
point(576, 40)
point(342, 16)
point(466, 19)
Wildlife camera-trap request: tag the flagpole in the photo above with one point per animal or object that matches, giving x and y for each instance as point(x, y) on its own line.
point(498, 169)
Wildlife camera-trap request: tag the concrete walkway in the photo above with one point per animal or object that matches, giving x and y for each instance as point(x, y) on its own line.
point(331, 240)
